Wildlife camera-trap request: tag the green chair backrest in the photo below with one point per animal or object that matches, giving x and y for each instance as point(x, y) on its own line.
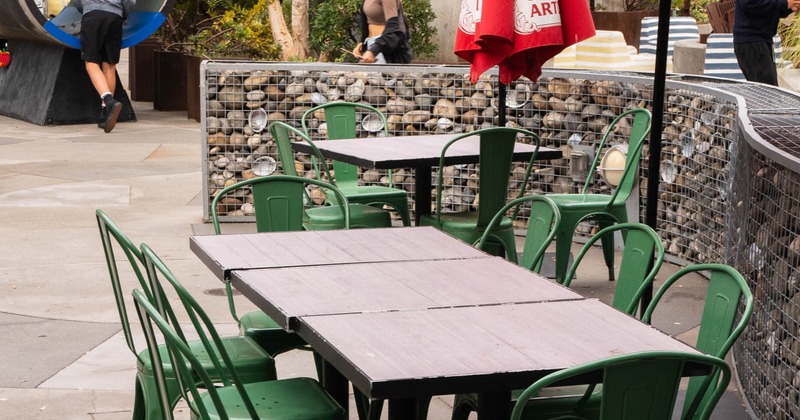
point(637, 385)
point(281, 134)
point(543, 219)
point(279, 202)
point(496, 154)
point(110, 233)
point(188, 369)
point(718, 326)
point(635, 271)
point(640, 128)
point(340, 118)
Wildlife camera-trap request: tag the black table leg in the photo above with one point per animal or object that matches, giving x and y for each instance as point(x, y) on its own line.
point(494, 405)
point(422, 192)
point(336, 384)
point(403, 409)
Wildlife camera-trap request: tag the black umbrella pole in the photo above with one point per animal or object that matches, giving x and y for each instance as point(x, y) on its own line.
point(501, 105)
point(654, 161)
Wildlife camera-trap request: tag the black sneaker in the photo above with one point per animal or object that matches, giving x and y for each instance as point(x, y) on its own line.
point(101, 123)
point(113, 108)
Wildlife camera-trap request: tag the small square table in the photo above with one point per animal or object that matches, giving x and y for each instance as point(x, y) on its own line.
point(491, 350)
point(419, 152)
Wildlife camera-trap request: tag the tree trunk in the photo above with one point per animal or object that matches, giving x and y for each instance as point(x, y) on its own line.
point(300, 29)
point(279, 30)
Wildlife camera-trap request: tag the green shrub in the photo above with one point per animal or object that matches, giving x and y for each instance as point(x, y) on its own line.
point(237, 31)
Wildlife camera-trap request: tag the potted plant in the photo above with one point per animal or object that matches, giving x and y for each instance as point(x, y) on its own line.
point(169, 63)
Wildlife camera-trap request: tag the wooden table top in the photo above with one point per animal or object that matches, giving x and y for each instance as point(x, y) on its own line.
point(475, 349)
point(412, 151)
point(288, 293)
point(225, 253)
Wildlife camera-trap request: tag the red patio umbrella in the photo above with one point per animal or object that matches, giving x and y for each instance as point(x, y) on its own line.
point(519, 36)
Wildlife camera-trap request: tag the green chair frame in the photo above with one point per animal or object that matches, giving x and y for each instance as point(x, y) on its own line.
point(146, 404)
point(496, 154)
point(226, 397)
point(637, 385)
point(341, 120)
point(361, 214)
point(718, 326)
point(604, 208)
point(637, 269)
point(544, 217)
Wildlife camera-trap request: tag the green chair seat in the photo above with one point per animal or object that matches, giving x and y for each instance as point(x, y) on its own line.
point(331, 217)
point(287, 399)
point(579, 202)
point(464, 226)
point(253, 364)
point(375, 195)
point(268, 334)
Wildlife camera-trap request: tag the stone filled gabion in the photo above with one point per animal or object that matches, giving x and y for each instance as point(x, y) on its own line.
point(766, 196)
point(715, 203)
point(698, 131)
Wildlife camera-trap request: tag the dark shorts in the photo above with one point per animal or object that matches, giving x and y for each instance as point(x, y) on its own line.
point(757, 61)
point(101, 37)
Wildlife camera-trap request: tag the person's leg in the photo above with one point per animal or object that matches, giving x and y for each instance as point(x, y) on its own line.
point(757, 61)
point(110, 74)
point(99, 78)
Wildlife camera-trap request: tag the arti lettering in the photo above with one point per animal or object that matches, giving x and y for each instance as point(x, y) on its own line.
point(544, 9)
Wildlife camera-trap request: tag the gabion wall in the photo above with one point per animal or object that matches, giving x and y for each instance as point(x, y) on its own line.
point(767, 251)
point(697, 133)
point(720, 200)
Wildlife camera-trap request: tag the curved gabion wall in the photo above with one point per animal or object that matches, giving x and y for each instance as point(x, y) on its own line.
point(725, 196)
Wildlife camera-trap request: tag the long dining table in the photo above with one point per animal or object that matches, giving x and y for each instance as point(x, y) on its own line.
point(424, 315)
point(421, 153)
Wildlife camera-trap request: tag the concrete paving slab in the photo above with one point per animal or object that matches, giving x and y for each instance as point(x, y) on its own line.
point(68, 194)
point(61, 404)
point(36, 348)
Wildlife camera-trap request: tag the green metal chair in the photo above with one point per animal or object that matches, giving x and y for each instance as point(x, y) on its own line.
point(605, 208)
point(496, 152)
point(544, 217)
point(228, 396)
point(635, 386)
point(718, 326)
point(635, 270)
point(361, 215)
point(146, 403)
point(340, 118)
point(635, 274)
